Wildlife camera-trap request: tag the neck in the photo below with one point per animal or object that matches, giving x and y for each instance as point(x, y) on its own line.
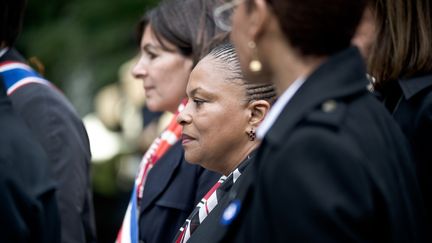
point(283, 77)
point(240, 158)
point(286, 64)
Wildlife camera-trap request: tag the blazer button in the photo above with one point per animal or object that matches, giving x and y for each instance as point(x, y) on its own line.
point(329, 106)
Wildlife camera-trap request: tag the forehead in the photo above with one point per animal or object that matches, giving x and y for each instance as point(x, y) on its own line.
point(150, 37)
point(212, 75)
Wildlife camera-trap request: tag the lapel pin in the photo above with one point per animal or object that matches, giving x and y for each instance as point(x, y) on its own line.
point(230, 213)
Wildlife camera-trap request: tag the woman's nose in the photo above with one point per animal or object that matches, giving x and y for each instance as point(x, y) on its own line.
point(140, 69)
point(184, 117)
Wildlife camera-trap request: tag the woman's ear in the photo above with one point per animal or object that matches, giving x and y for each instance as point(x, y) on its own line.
point(258, 110)
point(259, 18)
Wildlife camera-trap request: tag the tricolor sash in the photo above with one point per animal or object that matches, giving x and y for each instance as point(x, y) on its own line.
point(128, 232)
point(18, 74)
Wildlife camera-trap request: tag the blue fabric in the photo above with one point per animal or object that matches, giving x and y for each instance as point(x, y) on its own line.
point(11, 77)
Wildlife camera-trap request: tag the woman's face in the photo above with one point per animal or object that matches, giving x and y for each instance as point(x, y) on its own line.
point(164, 72)
point(215, 118)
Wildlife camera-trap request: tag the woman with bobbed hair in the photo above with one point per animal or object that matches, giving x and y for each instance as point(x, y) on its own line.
point(219, 124)
point(333, 165)
point(172, 37)
point(400, 61)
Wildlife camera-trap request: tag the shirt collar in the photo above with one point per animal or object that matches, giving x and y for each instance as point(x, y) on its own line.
point(3, 51)
point(278, 107)
point(412, 86)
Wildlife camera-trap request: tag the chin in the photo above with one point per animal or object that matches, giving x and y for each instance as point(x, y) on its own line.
point(191, 159)
point(155, 106)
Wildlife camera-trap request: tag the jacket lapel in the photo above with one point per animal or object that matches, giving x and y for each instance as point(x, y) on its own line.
point(161, 174)
point(12, 55)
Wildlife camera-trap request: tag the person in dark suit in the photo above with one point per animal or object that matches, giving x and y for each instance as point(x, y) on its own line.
point(219, 124)
point(172, 37)
point(333, 165)
point(28, 205)
point(56, 126)
point(400, 61)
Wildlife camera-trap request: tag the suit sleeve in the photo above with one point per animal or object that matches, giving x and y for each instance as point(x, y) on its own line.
point(61, 133)
point(312, 191)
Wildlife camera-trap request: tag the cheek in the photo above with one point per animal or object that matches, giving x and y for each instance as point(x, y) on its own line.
point(172, 79)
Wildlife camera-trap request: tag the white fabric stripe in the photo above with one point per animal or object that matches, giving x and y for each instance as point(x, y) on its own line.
point(181, 107)
point(202, 213)
point(126, 228)
point(11, 66)
point(3, 51)
point(236, 175)
point(187, 234)
point(145, 160)
point(212, 202)
point(170, 137)
point(25, 81)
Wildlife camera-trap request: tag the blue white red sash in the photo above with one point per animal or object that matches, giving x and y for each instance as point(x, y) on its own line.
point(18, 74)
point(128, 232)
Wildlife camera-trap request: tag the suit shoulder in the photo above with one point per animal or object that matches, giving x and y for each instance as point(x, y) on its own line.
point(329, 113)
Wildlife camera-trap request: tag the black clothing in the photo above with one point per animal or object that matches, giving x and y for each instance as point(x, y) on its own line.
point(410, 102)
point(334, 167)
point(173, 188)
point(28, 205)
point(58, 128)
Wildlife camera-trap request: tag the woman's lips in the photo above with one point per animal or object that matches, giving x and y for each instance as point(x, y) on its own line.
point(186, 139)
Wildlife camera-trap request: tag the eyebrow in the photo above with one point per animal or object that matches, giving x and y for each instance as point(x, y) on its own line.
point(150, 47)
point(200, 90)
point(194, 91)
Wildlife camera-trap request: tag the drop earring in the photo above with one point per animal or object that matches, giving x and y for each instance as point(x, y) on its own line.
point(251, 134)
point(255, 65)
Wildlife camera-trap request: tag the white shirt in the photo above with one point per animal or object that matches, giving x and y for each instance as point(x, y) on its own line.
point(278, 106)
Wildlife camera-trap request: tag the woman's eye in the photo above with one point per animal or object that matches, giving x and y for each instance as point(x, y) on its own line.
point(198, 102)
point(151, 55)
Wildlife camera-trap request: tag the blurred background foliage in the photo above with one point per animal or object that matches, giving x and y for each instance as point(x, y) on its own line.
point(82, 44)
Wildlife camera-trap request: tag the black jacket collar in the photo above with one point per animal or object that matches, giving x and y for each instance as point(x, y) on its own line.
point(342, 75)
point(166, 166)
point(12, 55)
point(412, 86)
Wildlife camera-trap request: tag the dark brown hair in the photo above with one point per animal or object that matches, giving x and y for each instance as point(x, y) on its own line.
point(403, 46)
point(11, 18)
point(318, 27)
point(227, 58)
point(187, 24)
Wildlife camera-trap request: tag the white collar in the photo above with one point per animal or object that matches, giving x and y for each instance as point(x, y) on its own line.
point(278, 106)
point(3, 51)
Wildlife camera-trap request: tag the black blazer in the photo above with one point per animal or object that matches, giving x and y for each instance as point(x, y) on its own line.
point(28, 205)
point(56, 125)
point(172, 190)
point(410, 102)
point(334, 167)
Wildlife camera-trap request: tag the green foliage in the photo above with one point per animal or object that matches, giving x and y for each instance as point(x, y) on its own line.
point(82, 43)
